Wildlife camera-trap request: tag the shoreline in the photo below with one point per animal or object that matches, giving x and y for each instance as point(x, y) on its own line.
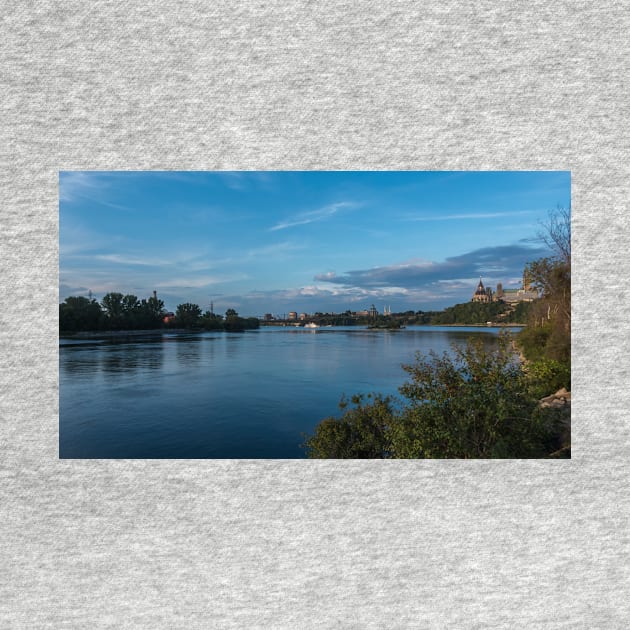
point(93, 334)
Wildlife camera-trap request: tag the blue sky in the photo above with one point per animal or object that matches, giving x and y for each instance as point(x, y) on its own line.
point(272, 242)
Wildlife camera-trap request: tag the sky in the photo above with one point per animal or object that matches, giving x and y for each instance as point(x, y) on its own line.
point(278, 241)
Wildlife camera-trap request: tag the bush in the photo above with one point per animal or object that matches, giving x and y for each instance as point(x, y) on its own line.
point(361, 433)
point(533, 340)
point(469, 404)
point(472, 403)
point(546, 376)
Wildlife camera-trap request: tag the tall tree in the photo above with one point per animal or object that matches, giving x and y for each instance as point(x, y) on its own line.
point(556, 234)
point(79, 314)
point(548, 334)
point(113, 305)
point(188, 315)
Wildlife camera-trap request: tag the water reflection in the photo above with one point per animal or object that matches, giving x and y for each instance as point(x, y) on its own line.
point(188, 350)
point(248, 394)
point(132, 357)
point(77, 360)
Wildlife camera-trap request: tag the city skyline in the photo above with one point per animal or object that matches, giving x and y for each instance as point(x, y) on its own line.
point(273, 242)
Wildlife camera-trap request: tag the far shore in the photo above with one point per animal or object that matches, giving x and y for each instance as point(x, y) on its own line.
point(160, 331)
point(92, 334)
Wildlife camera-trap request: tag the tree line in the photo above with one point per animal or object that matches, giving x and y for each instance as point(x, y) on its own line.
point(471, 402)
point(126, 312)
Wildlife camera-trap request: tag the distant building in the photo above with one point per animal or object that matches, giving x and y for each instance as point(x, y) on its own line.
point(525, 294)
point(303, 316)
point(292, 316)
point(519, 295)
point(481, 294)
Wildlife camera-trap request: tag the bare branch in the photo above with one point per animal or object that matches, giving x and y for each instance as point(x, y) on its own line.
point(556, 233)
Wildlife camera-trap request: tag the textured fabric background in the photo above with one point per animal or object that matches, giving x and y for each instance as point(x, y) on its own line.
point(299, 544)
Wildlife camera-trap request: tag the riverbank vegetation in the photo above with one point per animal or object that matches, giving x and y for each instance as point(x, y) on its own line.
point(118, 312)
point(546, 340)
point(466, 314)
point(472, 402)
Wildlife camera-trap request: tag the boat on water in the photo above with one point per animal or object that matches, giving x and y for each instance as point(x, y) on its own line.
point(311, 325)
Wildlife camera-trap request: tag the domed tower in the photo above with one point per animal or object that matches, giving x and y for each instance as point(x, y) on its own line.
point(480, 294)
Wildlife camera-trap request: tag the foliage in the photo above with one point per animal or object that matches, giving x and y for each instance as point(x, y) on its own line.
point(480, 313)
point(234, 323)
point(187, 315)
point(471, 403)
point(113, 305)
point(546, 376)
point(79, 313)
point(548, 332)
point(211, 321)
point(362, 432)
point(127, 312)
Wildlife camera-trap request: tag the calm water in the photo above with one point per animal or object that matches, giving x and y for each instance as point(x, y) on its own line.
point(226, 395)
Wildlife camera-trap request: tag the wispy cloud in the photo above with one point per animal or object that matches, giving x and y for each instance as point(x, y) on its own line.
point(80, 185)
point(198, 282)
point(86, 186)
point(303, 218)
point(121, 259)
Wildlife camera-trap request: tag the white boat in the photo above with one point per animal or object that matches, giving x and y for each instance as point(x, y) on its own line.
point(311, 325)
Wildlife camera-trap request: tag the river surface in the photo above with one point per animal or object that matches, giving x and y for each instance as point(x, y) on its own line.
point(227, 395)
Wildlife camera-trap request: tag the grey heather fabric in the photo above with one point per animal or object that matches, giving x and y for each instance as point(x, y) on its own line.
point(298, 544)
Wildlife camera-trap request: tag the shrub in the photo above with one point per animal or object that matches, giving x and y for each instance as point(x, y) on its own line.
point(470, 404)
point(362, 432)
point(546, 376)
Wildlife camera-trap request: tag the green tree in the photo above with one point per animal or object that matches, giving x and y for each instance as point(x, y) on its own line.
point(113, 305)
point(148, 314)
point(130, 312)
point(233, 323)
point(211, 321)
point(130, 303)
point(188, 315)
point(155, 307)
point(78, 314)
point(548, 332)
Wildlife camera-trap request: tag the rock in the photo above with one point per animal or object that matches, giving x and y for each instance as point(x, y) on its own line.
point(562, 398)
point(560, 402)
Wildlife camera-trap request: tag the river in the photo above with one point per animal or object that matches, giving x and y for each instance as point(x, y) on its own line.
point(226, 395)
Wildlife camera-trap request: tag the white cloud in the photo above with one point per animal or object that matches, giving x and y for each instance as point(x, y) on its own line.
point(121, 259)
point(79, 185)
point(198, 281)
point(304, 218)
